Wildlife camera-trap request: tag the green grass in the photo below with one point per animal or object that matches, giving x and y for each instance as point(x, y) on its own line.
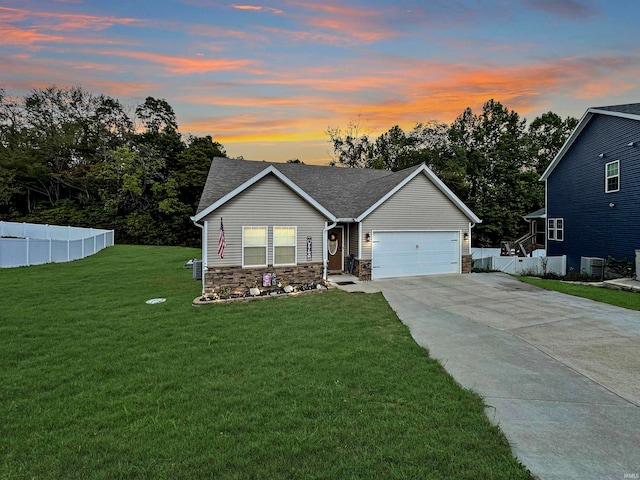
point(620, 298)
point(95, 383)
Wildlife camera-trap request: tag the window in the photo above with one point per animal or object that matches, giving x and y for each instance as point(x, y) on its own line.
point(555, 229)
point(612, 176)
point(284, 245)
point(254, 246)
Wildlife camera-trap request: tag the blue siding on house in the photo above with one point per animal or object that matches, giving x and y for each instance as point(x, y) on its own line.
point(576, 193)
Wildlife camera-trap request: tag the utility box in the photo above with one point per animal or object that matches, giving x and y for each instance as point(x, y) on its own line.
point(197, 269)
point(592, 266)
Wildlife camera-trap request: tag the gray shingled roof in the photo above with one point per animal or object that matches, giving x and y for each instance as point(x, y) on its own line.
point(345, 192)
point(630, 108)
point(537, 214)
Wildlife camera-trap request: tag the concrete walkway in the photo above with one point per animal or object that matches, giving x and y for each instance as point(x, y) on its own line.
point(559, 374)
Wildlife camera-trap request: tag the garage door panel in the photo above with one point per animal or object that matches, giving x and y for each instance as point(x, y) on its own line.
point(397, 254)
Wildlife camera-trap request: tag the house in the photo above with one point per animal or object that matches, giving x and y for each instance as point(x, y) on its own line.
point(300, 222)
point(537, 223)
point(593, 189)
point(531, 241)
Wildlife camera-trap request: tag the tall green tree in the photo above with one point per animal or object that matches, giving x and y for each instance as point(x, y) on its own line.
point(492, 146)
point(547, 134)
point(193, 167)
point(351, 146)
point(68, 156)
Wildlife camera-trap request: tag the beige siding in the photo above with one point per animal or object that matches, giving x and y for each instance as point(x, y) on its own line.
point(268, 203)
point(419, 205)
point(353, 239)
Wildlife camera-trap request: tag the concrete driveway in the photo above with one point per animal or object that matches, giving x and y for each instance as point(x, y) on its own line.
point(559, 374)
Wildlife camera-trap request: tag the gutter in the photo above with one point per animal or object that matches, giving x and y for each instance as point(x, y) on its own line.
point(204, 250)
point(325, 231)
point(325, 256)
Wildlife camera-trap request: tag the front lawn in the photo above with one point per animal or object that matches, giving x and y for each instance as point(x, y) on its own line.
point(95, 383)
point(619, 298)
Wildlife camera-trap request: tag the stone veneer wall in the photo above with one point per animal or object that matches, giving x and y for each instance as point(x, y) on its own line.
point(467, 263)
point(237, 278)
point(362, 269)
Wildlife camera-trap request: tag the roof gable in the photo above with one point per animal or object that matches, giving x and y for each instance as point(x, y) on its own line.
point(630, 111)
point(423, 169)
point(270, 170)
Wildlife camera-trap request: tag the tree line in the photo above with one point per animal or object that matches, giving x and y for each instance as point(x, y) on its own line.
point(70, 157)
point(491, 160)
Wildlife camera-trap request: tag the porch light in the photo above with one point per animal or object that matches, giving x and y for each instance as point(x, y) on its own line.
point(367, 237)
point(466, 236)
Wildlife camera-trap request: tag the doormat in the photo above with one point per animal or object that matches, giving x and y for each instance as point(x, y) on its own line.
point(348, 282)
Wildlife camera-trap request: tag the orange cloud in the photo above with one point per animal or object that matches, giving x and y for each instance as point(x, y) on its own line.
point(256, 8)
point(185, 65)
point(417, 92)
point(10, 35)
point(249, 127)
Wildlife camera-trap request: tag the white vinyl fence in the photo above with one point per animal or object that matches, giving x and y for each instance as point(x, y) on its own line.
point(484, 252)
point(524, 265)
point(23, 244)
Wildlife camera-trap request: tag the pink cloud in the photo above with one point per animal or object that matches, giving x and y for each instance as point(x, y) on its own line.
point(256, 8)
point(30, 36)
point(185, 65)
point(63, 21)
point(407, 93)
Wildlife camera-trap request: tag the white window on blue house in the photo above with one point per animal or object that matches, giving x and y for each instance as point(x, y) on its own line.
point(555, 229)
point(612, 176)
point(254, 246)
point(284, 245)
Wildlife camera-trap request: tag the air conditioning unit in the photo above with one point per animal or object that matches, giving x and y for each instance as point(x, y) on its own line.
point(592, 266)
point(197, 269)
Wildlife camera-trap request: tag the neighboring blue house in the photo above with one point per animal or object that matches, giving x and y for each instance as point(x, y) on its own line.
point(593, 188)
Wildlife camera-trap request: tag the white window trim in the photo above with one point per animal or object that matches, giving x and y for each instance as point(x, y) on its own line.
point(607, 177)
point(266, 245)
point(552, 227)
point(294, 245)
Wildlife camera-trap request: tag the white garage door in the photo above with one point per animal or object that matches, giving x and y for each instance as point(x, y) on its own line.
point(401, 254)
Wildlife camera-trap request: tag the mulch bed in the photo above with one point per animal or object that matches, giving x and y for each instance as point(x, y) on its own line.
point(200, 300)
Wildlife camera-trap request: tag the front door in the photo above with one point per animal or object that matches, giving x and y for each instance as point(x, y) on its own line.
point(334, 247)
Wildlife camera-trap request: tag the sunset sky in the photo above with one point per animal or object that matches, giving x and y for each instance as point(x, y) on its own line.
point(267, 79)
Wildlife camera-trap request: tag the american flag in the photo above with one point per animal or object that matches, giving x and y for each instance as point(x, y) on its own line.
point(221, 240)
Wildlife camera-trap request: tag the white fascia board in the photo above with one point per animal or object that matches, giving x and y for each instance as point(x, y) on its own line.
point(576, 132)
point(630, 116)
point(438, 183)
point(269, 170)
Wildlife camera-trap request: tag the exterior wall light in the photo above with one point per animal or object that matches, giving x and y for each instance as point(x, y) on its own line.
point(367, 237)
point(465, 236)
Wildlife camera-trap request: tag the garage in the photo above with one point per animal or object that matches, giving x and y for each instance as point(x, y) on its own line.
point(413, 253)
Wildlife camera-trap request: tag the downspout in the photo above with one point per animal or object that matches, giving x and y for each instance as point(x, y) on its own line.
point(204, 242)
point(471, 225)
point(546, 217)
point(325, 257)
